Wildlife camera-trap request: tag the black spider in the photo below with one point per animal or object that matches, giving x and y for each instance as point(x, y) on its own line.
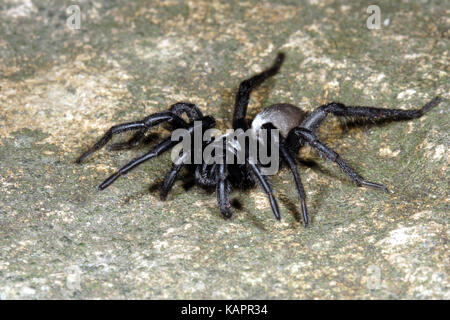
point(296, 128)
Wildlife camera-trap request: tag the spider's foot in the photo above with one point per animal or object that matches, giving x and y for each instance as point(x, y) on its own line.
point(81, 158)
point(109, 181)
point(275, 209)
point(162, 196)
point(227, 213)
point(431, 104)
point(305, 214)
point(374, 185)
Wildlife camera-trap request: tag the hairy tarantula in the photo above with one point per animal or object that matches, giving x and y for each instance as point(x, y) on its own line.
point(296, 128)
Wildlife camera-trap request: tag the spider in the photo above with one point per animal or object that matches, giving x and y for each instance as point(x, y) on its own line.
point(296, 128)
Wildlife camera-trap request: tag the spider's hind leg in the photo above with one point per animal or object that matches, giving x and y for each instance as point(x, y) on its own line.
point(372, 114)
point(223, 186)
point(309, 137)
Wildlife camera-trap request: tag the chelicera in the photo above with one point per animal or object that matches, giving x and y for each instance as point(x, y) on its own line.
point(295, 126)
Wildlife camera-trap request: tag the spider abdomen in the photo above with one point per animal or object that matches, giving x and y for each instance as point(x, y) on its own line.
point(282, 116)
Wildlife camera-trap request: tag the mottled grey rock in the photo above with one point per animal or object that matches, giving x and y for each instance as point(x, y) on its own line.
point(60, 89)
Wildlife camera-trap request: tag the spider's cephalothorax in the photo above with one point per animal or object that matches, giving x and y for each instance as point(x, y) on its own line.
point(295, 126)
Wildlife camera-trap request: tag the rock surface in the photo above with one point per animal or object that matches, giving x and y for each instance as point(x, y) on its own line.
point(60, 89)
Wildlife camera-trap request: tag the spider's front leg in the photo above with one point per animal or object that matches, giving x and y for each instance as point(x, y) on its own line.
point(306, 135)
point(191, 110)
point(172, 116)
point(171, 176)
point(223, 186)
point(143, 125)
point(129, 144)
point(266, 188)
point(223, 189)
point(206, 123)
point(154, 152)
point(289, 159)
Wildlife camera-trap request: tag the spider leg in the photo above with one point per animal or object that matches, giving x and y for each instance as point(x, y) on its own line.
point(246, 87)
point(330, 154)
point(191, 110)
point(108, 135)
point(169, 180)
point(287, 157)
point(223, 191)
point(172, 175)
point(145, 124)
point(267, 189)
point(206, 123)
point(313, 121)
point(154, 152)
point(204, 175)
point(223, 187)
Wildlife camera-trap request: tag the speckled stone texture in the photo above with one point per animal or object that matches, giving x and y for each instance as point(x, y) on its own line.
point(60, 89)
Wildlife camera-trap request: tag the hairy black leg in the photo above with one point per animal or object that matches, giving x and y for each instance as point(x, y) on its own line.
point(287, 157)
point(267, 189)
point(330, 154)
point(206, 123)
point(246, 87)
point(223, 191)
point(154, 152)
point(205, 175)
point(108, 135)
point(313, 121)
point(172, 175)
point(169, 180)
point(191, 110)
point(223, 185)
point(147, 123)
point(240, 177)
